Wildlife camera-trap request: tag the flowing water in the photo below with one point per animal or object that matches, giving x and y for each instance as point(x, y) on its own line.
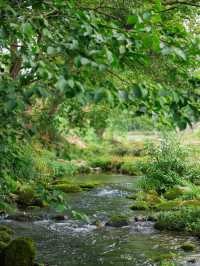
point(73, 242)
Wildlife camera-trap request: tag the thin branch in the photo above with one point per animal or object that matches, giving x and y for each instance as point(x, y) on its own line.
point(100, 12)
point(117, 76)
point(184, 3)
point(176, 4)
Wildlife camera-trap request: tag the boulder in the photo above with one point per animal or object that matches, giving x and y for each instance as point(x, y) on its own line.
point(187, 246)
point(67, 188)
point(118, 221)
point(20, 252)
point(176, 192)
point(140, 205)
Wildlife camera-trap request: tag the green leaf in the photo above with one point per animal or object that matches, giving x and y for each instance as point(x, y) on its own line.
point(122, 49)
point(71, 83)
point(42, 92)
point(132, 20)
point(123, 95)
point(148, 41)
point(46, 33)
point(137, 91)
point(27, 29)
point(84, 61)
point(61, 84)
point(156, 43)
point(146, 15)
point(109, 56)
point(51, 50)
point(180, 53)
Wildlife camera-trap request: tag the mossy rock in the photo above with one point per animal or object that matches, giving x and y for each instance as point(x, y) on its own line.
point(26, 195)
point(118, 221)
point(187, 246)
point(130, 168)
point(168, 205)
point(176, 192)
point(6, 229)
point(159, 225)
point(20, 252)
point(164, 257)
point(140, 205)
point(67, 187)
point(104, 163)
point(61, 181)
point(3, 245)
point(132, 196)
point(88, 186)
point(153, 199)
point(5, 237)
point(191, 203)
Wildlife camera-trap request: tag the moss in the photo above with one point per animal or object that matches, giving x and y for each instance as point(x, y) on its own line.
point(191, 203)
point(26, 195)
point(20, 252)
point(132, 196)
point(164, 256)
point(5, 237)
point(103, 162)
point(145, 200)
point(83, 169)
point(89, 185)
point(168, 205)
point(67, 187)
point(176, 192)
point(152, 198)
point(61, 181)
point(130, 168)
point(118, 221)
point(6, 229)
point(3, 245)
point(187, 246)
point(140, 205)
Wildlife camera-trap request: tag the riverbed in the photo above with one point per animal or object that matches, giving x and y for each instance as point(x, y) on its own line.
point(88, 242)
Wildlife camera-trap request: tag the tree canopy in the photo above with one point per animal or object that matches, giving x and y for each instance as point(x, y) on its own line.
point(141, 56)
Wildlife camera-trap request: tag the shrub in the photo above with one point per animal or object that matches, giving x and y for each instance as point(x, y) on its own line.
point(130, 168)
point(63, 168)
point(167, 166)
point(102, 162)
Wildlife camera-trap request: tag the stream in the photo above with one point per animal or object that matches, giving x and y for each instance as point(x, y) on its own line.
point(74, 242)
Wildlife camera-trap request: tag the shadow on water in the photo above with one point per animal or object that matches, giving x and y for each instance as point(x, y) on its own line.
point(78, 243)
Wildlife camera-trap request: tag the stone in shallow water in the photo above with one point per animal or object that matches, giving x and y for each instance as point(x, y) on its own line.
point(191, 261)
point(118, 221)
point(24, 217)
point(187, 246)
point(59, 217)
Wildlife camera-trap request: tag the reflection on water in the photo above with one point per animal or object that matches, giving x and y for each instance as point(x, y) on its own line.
point(73, 243)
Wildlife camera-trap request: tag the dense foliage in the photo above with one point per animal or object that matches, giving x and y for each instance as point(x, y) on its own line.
point(77, 64)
